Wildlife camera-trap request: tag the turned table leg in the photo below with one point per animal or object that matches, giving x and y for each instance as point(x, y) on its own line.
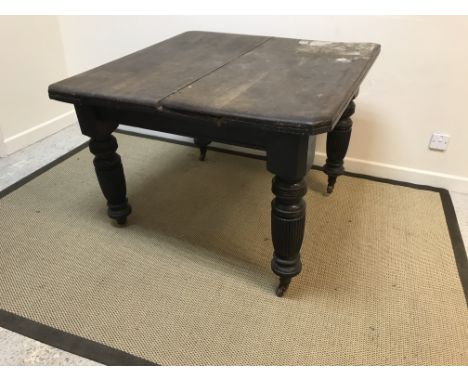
point(337, 146)
point(110, 174)
point(107, 163)
point(287, 229)
point(289, 156)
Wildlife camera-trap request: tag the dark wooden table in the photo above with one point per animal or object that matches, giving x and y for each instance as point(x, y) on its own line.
point(274, 94)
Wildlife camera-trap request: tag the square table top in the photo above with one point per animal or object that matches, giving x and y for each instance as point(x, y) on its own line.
point(269, 81)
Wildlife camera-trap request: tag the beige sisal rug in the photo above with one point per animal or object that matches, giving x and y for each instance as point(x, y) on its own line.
point(188, 280)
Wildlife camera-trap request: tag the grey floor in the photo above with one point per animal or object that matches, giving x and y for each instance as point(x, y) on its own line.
point(16, 349)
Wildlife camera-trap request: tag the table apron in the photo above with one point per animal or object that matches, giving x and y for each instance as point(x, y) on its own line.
point(215, 129)
point(289, 155)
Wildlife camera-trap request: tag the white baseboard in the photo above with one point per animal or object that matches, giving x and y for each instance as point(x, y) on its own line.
point(36, 133)
point(404, 174)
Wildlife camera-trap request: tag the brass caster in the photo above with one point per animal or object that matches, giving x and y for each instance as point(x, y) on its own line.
point(283, 286)
point(121, 220)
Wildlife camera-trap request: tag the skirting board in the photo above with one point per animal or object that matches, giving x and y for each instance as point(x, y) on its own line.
point(36, 133)
point(403, 174)
point(354, 165)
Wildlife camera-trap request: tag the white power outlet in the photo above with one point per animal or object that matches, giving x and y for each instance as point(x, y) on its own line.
point(439, 141)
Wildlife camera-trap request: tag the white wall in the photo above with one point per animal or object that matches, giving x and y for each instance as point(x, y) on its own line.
point(32, 58)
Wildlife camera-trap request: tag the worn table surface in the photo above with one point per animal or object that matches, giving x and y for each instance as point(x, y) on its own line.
point(268, 81)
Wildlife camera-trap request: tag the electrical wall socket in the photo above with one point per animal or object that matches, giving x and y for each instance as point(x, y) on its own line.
point(439, 141)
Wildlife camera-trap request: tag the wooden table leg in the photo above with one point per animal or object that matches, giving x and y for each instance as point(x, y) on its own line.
point(288, 158)
point(107, 162)
point(110, 174)
point(287, 229)
point(337, 146)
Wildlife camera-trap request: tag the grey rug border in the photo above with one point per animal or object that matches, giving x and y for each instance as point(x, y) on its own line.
point(113, 357)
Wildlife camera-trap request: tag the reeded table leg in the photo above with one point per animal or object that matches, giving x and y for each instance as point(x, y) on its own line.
point(287, 229)
point(289, 156)
point(110, 174)
point(337, 146)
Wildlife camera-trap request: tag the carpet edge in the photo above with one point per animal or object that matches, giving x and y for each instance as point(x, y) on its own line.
point(69, 342)
point(110, 356)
